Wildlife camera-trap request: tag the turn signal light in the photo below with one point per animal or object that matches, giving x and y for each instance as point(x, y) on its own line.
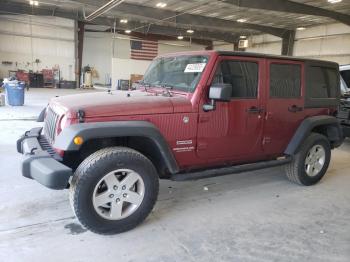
point(78, 140)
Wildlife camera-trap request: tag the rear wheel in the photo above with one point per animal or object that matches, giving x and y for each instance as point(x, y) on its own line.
point(114, 190)
point(311, 162)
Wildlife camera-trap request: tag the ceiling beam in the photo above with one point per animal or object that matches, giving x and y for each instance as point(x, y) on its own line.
point(16, 8)
point(160, 16)
point(290, 7)
point(171, 31)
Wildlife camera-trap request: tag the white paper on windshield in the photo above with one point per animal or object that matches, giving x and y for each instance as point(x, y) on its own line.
point(195, 68)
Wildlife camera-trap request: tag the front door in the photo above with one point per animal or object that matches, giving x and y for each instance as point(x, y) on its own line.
point(285, 104)
point(233, 131)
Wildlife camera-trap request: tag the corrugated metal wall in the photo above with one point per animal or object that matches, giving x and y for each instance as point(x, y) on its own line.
point(328, 42)
point(27, 38)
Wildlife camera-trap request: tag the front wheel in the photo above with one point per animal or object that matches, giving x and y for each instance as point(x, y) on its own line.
point(114, 190)
point(311, 162)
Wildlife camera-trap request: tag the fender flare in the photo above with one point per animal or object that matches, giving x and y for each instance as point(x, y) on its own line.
point(88, 131)
point(305, 128)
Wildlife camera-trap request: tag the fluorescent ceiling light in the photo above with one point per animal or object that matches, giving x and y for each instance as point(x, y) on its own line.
point(213, 14)
point(241, 20)
point(243, 37)
point(190, 31)
point(31, 2)
point(127, 31)
point(161, 5)
point(301, 28)
point(229, 17)
point(180, 37)
point(196, 11)
point(124, 21)
point(334, 1)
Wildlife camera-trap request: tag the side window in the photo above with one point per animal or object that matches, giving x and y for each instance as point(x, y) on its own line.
point(324, 82)
point(346, 77)
point(285, 81)
point(242, 75)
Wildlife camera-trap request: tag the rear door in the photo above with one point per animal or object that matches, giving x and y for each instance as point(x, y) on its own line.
point(285, 104)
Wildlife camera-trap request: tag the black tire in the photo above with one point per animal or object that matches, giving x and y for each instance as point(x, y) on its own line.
point(295, 170)
point(93, 169)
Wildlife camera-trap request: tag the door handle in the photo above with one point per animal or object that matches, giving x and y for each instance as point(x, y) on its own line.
point(254, 110)
point(295, 108)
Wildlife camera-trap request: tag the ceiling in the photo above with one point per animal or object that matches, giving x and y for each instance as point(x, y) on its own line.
point(215, 19)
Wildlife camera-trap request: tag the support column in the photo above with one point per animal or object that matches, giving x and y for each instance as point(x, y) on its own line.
point(236, 46)
point(79, 50)
point(210, 46)
point(288, 43)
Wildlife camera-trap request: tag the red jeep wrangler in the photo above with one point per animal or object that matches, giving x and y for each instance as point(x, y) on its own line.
point(196, 115)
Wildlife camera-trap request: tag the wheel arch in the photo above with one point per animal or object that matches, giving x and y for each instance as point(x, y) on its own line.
point(139, 135)
point(325, 125)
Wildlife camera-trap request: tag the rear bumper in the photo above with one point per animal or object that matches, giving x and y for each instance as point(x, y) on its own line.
point(40, 162)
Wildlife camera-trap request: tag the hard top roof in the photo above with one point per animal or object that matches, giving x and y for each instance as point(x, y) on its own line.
point(250, 54)
point(259, 55)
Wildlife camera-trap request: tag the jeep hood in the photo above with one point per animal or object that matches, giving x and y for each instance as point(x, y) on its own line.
point(118, 103)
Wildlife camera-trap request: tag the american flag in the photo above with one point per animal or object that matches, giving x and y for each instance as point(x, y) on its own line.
point(143, 50)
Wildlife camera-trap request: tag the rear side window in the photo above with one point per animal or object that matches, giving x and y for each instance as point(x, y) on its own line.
point(346, 77)
point(242, 75)
point(324, 82)
point(285, 81)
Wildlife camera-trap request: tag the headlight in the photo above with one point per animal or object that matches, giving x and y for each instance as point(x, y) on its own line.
point(63, 122)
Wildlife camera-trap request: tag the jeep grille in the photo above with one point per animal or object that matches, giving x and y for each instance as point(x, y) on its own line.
point(51, 121)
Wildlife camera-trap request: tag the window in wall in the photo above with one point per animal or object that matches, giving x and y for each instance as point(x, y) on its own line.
point(285, 81)
point(242, 75)
point(324, 82)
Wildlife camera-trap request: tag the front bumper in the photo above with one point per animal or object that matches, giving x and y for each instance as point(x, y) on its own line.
point(40, 161)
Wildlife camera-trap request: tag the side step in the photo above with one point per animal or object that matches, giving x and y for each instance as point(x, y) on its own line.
point(229, 170)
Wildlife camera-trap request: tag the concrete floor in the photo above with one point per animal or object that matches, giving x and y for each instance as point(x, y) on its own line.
point(255, 216)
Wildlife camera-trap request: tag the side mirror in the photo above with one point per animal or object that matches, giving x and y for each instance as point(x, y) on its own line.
point(218, 92)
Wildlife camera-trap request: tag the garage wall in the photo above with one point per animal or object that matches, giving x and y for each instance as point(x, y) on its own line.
point(97, 52)
point(111, 58)
point(329, 42)
point(267, 44)
point(27, 38)
point(123, 66)
point(222, 46)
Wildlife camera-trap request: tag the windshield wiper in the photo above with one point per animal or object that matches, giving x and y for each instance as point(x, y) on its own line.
point(167, 88)
point(144, 84)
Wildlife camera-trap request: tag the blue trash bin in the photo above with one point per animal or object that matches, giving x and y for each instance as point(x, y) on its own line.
point(15, 93)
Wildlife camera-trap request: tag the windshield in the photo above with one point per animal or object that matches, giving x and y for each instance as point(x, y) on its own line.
point(179, 72)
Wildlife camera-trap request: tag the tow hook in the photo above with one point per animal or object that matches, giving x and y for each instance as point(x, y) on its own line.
point(33, 150)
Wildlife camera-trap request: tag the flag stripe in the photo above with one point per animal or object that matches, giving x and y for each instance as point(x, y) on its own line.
point(145, 56)
point(139, 54)
point(142, 56)
point(145, 52)
point(150, 49)
point(149, 45)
